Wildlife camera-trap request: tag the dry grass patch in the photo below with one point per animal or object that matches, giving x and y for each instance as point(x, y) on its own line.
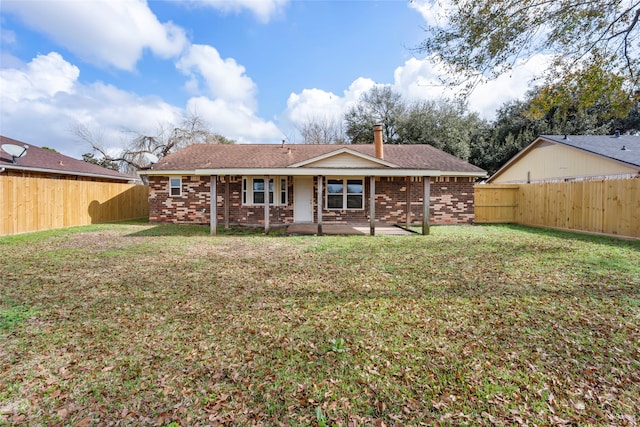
point(131, 324)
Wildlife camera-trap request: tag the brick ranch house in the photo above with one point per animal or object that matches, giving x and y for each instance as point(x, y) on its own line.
point(311, 184)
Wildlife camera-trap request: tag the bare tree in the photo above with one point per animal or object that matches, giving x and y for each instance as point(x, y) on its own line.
point(321, 130)
point(142, 150)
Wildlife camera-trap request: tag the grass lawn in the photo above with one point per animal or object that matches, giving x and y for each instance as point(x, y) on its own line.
point(133, 324)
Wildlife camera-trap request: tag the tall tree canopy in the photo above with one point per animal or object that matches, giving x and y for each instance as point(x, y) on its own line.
point(444, 124)
point(596, 44)
point(379, 105)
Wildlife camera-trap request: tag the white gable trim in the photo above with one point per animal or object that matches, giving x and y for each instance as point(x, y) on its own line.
point(373, 159)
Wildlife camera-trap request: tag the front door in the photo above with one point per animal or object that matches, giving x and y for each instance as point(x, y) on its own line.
point(303, 199)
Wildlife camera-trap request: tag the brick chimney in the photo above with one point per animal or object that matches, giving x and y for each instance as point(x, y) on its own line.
point(377, 141)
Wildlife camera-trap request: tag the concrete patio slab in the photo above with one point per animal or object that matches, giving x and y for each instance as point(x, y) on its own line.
point(346, 230)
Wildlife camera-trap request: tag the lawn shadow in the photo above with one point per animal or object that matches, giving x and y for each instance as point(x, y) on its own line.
point(199, 230)
point(575, 235)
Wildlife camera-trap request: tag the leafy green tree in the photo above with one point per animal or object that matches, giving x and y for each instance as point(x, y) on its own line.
point(380, 105)
point(595, 43)
point(105, 163)
point(444, 124)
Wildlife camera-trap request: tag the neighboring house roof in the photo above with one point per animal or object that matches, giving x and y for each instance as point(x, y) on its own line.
point(610, 146)
point(300, 159)
point(37, 159)
point(622, 150)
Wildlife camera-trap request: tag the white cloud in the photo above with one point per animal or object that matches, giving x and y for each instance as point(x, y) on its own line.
point(263, 9)
point(420, 79)
point(433, 12)
point(226, 98)
point(224, 78)
point(43, 101)
point(319, 104)
point(235, 121)
point(43, 77)
point(113, 33)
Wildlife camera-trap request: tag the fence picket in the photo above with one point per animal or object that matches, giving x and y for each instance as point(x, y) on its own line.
point(604, 206)
point(33, 203)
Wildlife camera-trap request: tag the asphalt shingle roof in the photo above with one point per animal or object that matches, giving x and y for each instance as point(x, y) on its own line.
point(258, 156)
point(609, 146)
point(41, 159)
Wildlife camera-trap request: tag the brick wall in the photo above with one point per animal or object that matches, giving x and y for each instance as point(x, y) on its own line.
point(451, 202)
point(193, 206)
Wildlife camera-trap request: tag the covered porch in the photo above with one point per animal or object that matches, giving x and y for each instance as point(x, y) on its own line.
point(315, 206)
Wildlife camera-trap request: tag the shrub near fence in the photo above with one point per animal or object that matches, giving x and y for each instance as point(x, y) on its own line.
point(33, 204)
point(604, 206)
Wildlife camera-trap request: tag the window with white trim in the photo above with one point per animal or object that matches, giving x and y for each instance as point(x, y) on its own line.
point(175, 186)
point(343, 194)
point(254, 191)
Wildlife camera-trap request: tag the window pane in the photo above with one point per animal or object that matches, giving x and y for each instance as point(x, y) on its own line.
point(258, 198)
point(354, 186)
point(174, 186)
point(271, 198)
point(334, 186)
point(334, 202)
point(354, 202)
point(258, 185)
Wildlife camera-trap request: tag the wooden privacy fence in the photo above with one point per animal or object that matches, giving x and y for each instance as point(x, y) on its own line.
point(605, 206)
point(34, 204)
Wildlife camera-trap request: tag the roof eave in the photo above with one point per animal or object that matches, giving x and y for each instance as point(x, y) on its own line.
point(60, 172)
point(391, 172)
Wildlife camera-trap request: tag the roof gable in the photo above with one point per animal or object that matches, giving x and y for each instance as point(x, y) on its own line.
point(344, 158)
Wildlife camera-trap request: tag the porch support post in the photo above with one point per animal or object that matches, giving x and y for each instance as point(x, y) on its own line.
point(213, 205)
point(408, 202)
point(266, 203)
point(319, 205)
point(372, 205)
point(426, 183)
point(227, 201)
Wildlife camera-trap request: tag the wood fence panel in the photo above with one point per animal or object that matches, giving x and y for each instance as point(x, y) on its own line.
point(609, 206)
point(33, 204)
point(495, 203)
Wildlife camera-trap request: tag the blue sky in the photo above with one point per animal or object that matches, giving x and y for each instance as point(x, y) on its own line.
point(254, 70)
